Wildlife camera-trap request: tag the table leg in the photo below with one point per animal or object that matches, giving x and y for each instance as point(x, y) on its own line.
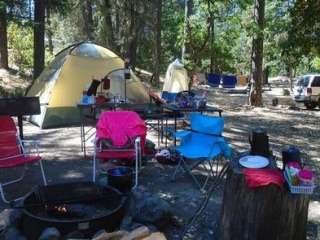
point(175, 129)
point(20, 124)
point(166, 137)
point(158, 130)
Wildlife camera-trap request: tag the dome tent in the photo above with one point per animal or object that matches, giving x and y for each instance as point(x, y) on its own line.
point(61, 84)
point(176, 78)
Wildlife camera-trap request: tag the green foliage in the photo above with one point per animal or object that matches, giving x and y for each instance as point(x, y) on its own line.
point(291, 35)
point(20, 43)
point(316, 64)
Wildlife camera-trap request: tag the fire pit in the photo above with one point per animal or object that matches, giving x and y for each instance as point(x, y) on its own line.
point(70, 207)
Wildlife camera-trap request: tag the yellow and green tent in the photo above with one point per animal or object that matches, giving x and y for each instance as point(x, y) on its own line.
point(60, 86)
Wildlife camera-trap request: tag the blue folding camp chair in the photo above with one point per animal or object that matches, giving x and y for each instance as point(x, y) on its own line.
point(229, 81)
point(214, 80)
point(201, 145)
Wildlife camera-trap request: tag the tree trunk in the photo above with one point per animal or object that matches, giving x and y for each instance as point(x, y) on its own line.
point(110, 41)
point(263, 213)
point(49, 30)
point(211, 36)
point(87, 27)
point(39, 28)
point(257, 55)
point(3, 39)
point(157, 48)
point(132, 40)
point(186, 32)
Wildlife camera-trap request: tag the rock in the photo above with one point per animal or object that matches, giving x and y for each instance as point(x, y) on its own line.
point(118, 235)
point(126, 223)
point(13, 233)
point(146, 208)
point(10, 217)
point(50, 233)
point(99, 233)
point(283, 100)
point(103, 181)
point(294, 107)
point(74, 235)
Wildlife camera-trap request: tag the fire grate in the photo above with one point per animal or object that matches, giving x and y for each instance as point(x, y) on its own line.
point(82, 206)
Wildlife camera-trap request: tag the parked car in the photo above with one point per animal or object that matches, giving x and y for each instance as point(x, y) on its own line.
point(307, 90)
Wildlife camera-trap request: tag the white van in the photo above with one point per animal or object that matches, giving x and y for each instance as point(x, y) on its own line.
point(307, 90)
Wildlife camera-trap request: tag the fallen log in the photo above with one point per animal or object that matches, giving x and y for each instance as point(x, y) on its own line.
point(137, 234)
point(155, 236)
point(111, 236)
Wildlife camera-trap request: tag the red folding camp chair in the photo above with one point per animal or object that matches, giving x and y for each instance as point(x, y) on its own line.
point(125, 132)
point(14, 152)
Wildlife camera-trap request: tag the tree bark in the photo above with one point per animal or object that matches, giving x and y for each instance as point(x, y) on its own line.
point(132, 40)
point(3, 39)
point(211, 34)
point(87, 27)
point(257, 55)
point(157, 47)
point(39, 29)
point(263, 213)
point(187, 13)
point(110, 41)
point(49, 30)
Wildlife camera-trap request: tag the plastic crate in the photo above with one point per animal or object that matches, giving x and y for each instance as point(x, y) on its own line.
point(299, 189)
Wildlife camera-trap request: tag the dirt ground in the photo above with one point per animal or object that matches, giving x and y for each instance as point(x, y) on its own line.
point(64, 162)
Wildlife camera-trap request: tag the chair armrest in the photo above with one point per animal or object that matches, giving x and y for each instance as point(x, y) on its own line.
point(223, 145)
point(182, 134)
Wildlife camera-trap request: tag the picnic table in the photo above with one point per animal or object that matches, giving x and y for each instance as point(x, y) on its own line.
point(263, 213)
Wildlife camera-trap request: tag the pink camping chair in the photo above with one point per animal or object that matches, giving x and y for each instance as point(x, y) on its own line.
point(15, 152)
point(119, 135)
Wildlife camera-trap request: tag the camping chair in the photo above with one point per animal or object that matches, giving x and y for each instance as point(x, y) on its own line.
point(202, 144)
point(214, 80)
point(229, 81)
point(15, 152)
point(119, 135)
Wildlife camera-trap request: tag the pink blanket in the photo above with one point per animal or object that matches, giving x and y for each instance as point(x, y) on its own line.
point(121, 127)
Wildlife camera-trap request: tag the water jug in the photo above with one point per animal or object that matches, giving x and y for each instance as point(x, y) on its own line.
point(259, 142)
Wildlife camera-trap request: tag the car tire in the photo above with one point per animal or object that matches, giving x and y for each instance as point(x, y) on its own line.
point(310, 105)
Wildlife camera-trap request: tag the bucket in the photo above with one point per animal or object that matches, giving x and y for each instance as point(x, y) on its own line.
point(120, 178)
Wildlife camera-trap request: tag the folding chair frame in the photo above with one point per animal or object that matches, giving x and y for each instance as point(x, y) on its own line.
point(138, 154)
point(21, 145)
point(183, 165)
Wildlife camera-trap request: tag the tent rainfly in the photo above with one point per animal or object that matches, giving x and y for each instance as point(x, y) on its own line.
point(60, 86)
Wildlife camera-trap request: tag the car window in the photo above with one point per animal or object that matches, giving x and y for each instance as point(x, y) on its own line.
point(316, 82)
point(299, 82)
point(303, 82)
point(306, 81)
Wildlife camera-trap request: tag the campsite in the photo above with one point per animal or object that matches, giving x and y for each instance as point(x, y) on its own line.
point(159, 120)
